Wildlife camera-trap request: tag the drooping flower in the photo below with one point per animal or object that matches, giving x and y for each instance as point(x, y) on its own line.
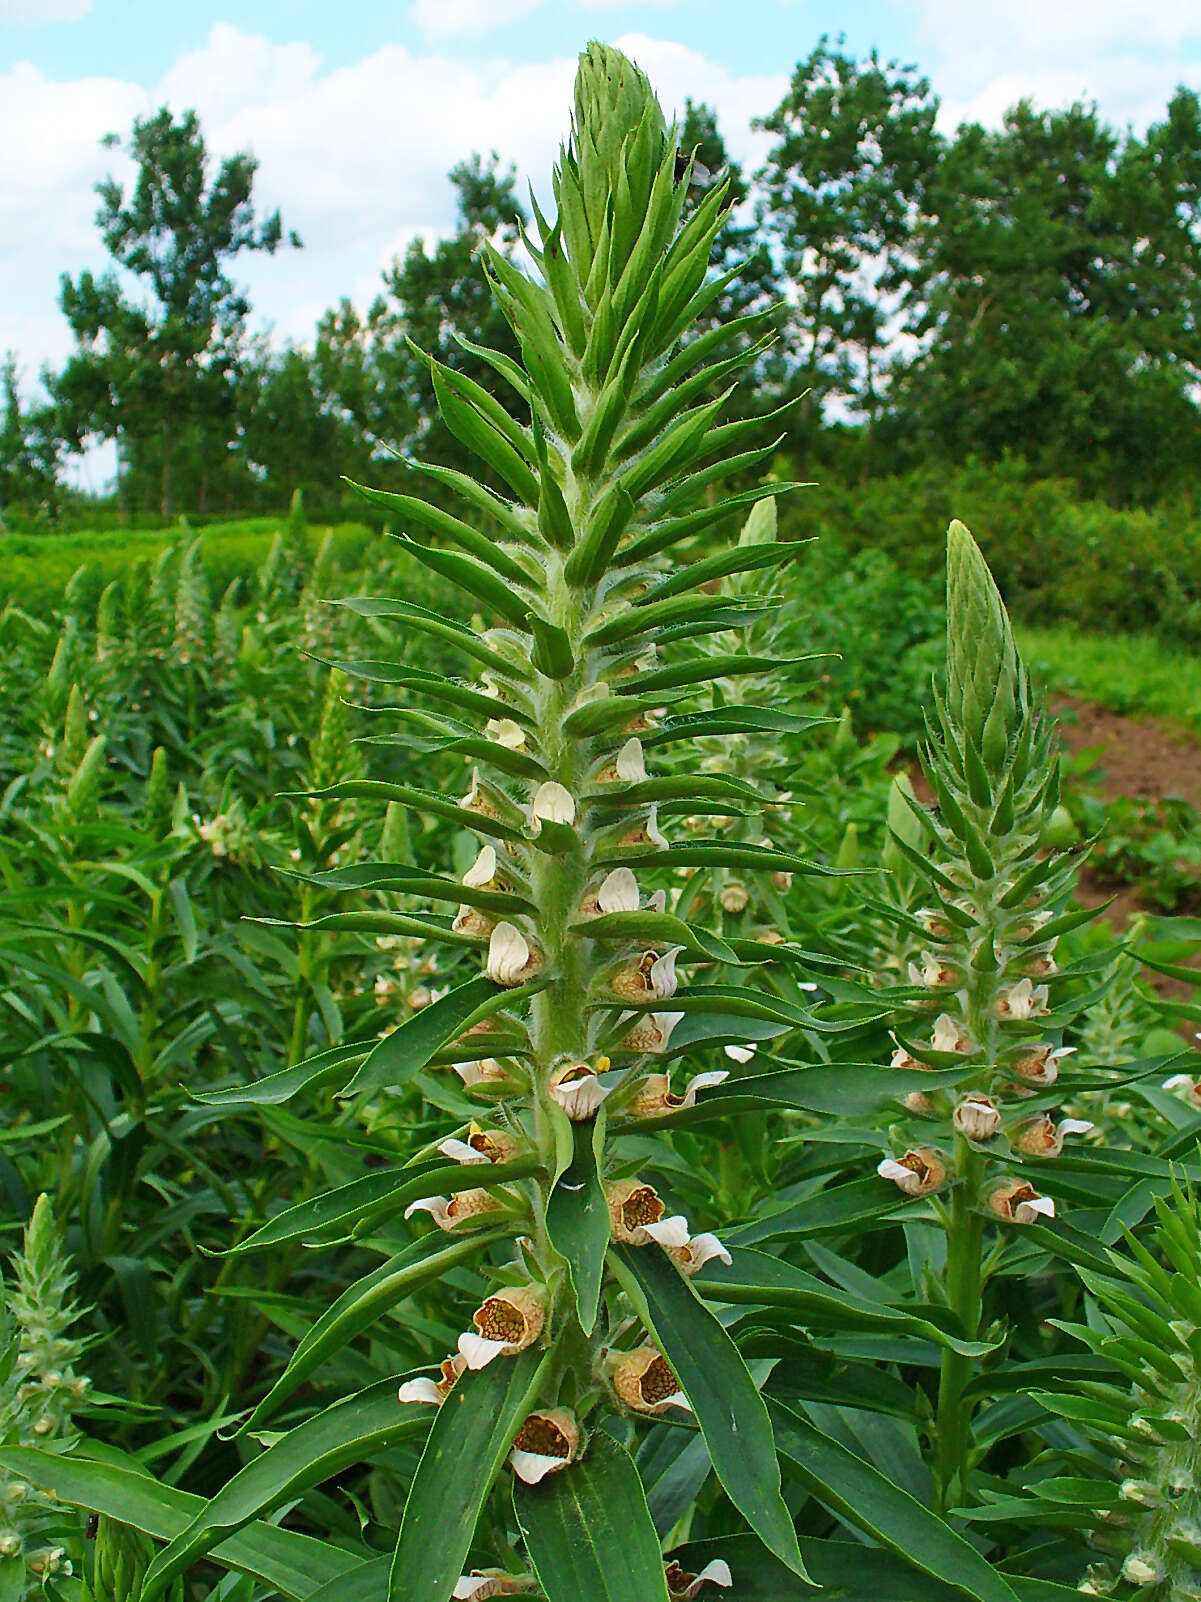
point(504, 731)
point(1020, 1202)
point(548, 1441)
point(917, 1173)
point(1043, 1137)
point(482, 1146)
point(447, 1212)
point(510, 959)
point(618, 892)
point(740, 1054)
point(682, 1587)
point(645, 1381)
point(655, 1097)
point(505, 1324)
point(734, 896)
point(701, 1249)
point(977, 1117)
point(636, 1216)
point(482, 1071)
point(649, 977)
point(577, 1089)
point(627, 767)
point(482, 1584)
point(652, 1032)
point(1039, 1065)
point(433, 1392)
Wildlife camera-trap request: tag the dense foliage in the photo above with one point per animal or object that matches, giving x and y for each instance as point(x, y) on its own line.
point(756, 1177)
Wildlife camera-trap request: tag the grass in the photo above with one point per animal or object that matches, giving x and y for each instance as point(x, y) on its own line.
point(1129, 673)
point(37, 568)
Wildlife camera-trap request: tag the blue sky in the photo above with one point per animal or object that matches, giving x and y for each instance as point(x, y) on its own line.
point(357, 111)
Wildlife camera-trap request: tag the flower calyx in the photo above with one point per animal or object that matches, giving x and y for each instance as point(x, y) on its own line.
point(1043, 1137)
point(977, 1117)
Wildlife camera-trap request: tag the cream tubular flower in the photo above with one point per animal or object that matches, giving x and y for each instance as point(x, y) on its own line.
point(630, 764)
point(618, 892)
point(655, 1098)
point(1039, 1065)
point(645, 1381)
point(505, 1324)
point(652, 1032)
point(546, 1442)
point(1020, 1203)
point(448, 1212)
point(575, 1086)
point(1022, 1000)
point(917, 1173)
point(483, 1071)
point(682, 1587)
point(510, 960)
point(552, 803)
point(977, 1117)
point(636, 1216)
point(482, 1146)
point(950, 1035)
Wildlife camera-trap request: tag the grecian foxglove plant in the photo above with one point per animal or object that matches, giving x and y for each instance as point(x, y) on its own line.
point(565, 1036)
point(980, 1041)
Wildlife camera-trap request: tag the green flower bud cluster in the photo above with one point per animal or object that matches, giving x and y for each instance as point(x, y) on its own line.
point(193, 608)
point(1147, 1420)
point(987, 1003)
point(119, 1561)
point(40, 1390)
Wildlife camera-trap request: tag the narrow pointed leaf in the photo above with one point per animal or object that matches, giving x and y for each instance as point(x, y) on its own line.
point(577, 1219)
point(732, 1415)
point(588, 1530)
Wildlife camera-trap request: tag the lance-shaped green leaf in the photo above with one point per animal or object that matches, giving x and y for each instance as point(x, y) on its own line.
point(577, 1218)
point(724, 564)
point(728, 720)
point(692, 786)
point(452, 528)
point(871, 1501)
point(435, 685)
point(354, 1429)
point(323, 1069)
point(285, 1561)
point(588, 1530)
point(731, 1413)
point(469, 1441)
point(471, 576)
point(361, 1304)
point(552, 652)
point(703, 669)
point(376, 1195)
point(481, 435)
point(409, 1048)
point(665, 531)
point(417, 801)
point(757, 1278)
point(403, 876)
point(495, 509)
point(657, 928)
point(605, 525)
point(423, 621)
point(843, 1090)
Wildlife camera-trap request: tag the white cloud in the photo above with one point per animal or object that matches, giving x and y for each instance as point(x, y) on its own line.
point(468, 16)
point(1124, 54)
point(44, 10)
point(355, 157)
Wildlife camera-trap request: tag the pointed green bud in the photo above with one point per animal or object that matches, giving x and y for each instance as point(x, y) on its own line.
point(75, 730)
point(158, 793)
point(85, 781)
point(986, 692)
point(848, 857)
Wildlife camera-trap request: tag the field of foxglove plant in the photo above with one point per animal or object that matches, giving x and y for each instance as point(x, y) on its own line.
point(511, 1090)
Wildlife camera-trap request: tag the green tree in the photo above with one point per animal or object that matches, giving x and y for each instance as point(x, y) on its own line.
point(842, 190)
point(28, 449)
point(1058, 295)
point(160, 340)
